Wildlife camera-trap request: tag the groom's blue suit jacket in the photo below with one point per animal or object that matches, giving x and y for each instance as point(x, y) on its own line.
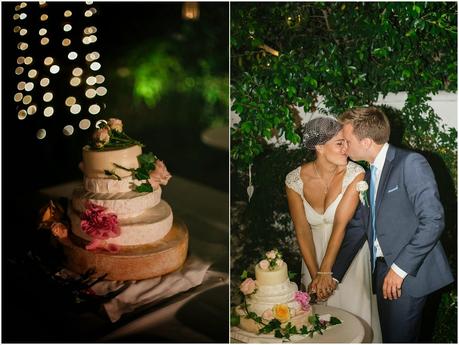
point(409, 222)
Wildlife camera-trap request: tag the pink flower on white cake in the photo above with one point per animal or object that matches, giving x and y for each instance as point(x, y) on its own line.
point(99, 224)
point(279, 262)
point(268, 315)
point(303, 298)
point(271, 254)
point(115, 124)
point(101, 137)
point(264, 264)
point(248, 286)
point(160, 175)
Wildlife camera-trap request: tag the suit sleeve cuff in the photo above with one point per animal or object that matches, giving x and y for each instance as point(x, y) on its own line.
point(401, 273)
point(336, 280)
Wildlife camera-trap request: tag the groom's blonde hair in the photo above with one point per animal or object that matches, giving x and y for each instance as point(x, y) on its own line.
point(368, 122)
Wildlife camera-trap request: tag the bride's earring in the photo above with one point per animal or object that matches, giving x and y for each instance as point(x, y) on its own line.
point(250, 188)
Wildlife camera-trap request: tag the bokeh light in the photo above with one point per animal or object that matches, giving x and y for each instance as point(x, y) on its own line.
point(84, 124)
point(41, 134)
point(49, 111)
point(68, 130)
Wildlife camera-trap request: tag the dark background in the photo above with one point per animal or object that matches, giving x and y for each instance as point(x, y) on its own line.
point(171, 129)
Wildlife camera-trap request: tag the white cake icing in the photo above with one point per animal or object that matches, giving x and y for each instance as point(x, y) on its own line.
point(273, 287)
point(95, 162)
point(110, 184)
point(143, 218)
point(274, 276)
point(267, 296)
point(152, 225)
point(124, 205)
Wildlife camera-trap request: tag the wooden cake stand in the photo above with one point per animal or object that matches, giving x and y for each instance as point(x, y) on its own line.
point(133, 262)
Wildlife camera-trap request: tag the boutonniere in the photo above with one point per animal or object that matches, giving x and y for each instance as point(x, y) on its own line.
point(362, 188)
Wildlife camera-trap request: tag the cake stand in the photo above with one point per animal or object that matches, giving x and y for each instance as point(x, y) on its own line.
point(133, 262)
point(351, 330)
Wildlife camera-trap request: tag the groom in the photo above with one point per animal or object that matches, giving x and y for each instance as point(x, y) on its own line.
point(402, 223)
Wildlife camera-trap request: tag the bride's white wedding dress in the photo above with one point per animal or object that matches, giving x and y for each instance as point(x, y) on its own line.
point(354, 293)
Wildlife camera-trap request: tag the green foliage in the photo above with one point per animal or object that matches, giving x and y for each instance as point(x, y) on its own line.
point(144, 188)
point(179, 66)
point(349, 53)
point(446, 330)
point(235, 320)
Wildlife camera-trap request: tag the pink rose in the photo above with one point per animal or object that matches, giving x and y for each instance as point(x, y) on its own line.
point(59, 230)
point(264, 264)
point(101, 137)
point(160, 175)
point(115, 124)
point(99, 224)
point(271, 254)
point(247, 286)
point(268, 315)
point(279, 262)
point(303, 299)
point(100, 244)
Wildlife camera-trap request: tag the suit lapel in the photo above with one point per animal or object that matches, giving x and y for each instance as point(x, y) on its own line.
point(384, 176)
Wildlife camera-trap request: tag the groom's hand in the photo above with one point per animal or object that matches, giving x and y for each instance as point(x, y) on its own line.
point(392, 287)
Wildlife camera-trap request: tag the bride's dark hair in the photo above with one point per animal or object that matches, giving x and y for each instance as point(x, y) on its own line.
point(320, 130)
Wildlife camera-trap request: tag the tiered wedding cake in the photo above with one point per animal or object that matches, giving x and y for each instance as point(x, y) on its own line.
point(119, 223)
point(272, 296)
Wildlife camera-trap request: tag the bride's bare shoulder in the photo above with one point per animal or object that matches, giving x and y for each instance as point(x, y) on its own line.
point(306, 170)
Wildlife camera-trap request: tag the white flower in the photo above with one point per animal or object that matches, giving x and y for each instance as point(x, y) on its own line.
point(325, 317)
point(362, 186)
point(279, 262)
point(264, 264)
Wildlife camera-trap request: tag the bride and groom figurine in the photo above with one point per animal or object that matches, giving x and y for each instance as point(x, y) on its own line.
point(369, 239)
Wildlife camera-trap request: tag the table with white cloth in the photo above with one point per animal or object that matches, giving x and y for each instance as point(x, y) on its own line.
point(189, 305)
point(352, 330)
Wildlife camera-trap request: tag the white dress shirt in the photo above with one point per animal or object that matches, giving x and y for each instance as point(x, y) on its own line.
point(379, 164)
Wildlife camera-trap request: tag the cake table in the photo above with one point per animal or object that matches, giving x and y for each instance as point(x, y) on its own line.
point(352, 330)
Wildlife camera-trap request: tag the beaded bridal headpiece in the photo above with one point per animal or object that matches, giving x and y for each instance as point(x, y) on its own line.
point(320, 130)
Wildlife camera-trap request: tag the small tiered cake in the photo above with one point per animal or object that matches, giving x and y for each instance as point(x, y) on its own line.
point(119, 224)
point(272, 296)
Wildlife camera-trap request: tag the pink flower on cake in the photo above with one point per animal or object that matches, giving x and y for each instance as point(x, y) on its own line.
point(59, 230)
point(160, 175)
point(264, 264)
point(101, 137)
point(99, 224)
point(268, 315)
point(303, 298)
point(248, 286)
point(279, 262)
point(100, 244)
point(115, 124)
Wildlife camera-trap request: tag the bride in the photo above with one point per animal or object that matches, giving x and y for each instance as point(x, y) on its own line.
point(322, 198)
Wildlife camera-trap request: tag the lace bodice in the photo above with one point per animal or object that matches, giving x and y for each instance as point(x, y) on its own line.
point(294, 181)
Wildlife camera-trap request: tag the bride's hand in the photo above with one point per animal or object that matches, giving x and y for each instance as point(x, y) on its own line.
point(312, 288)
point(325, 286)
